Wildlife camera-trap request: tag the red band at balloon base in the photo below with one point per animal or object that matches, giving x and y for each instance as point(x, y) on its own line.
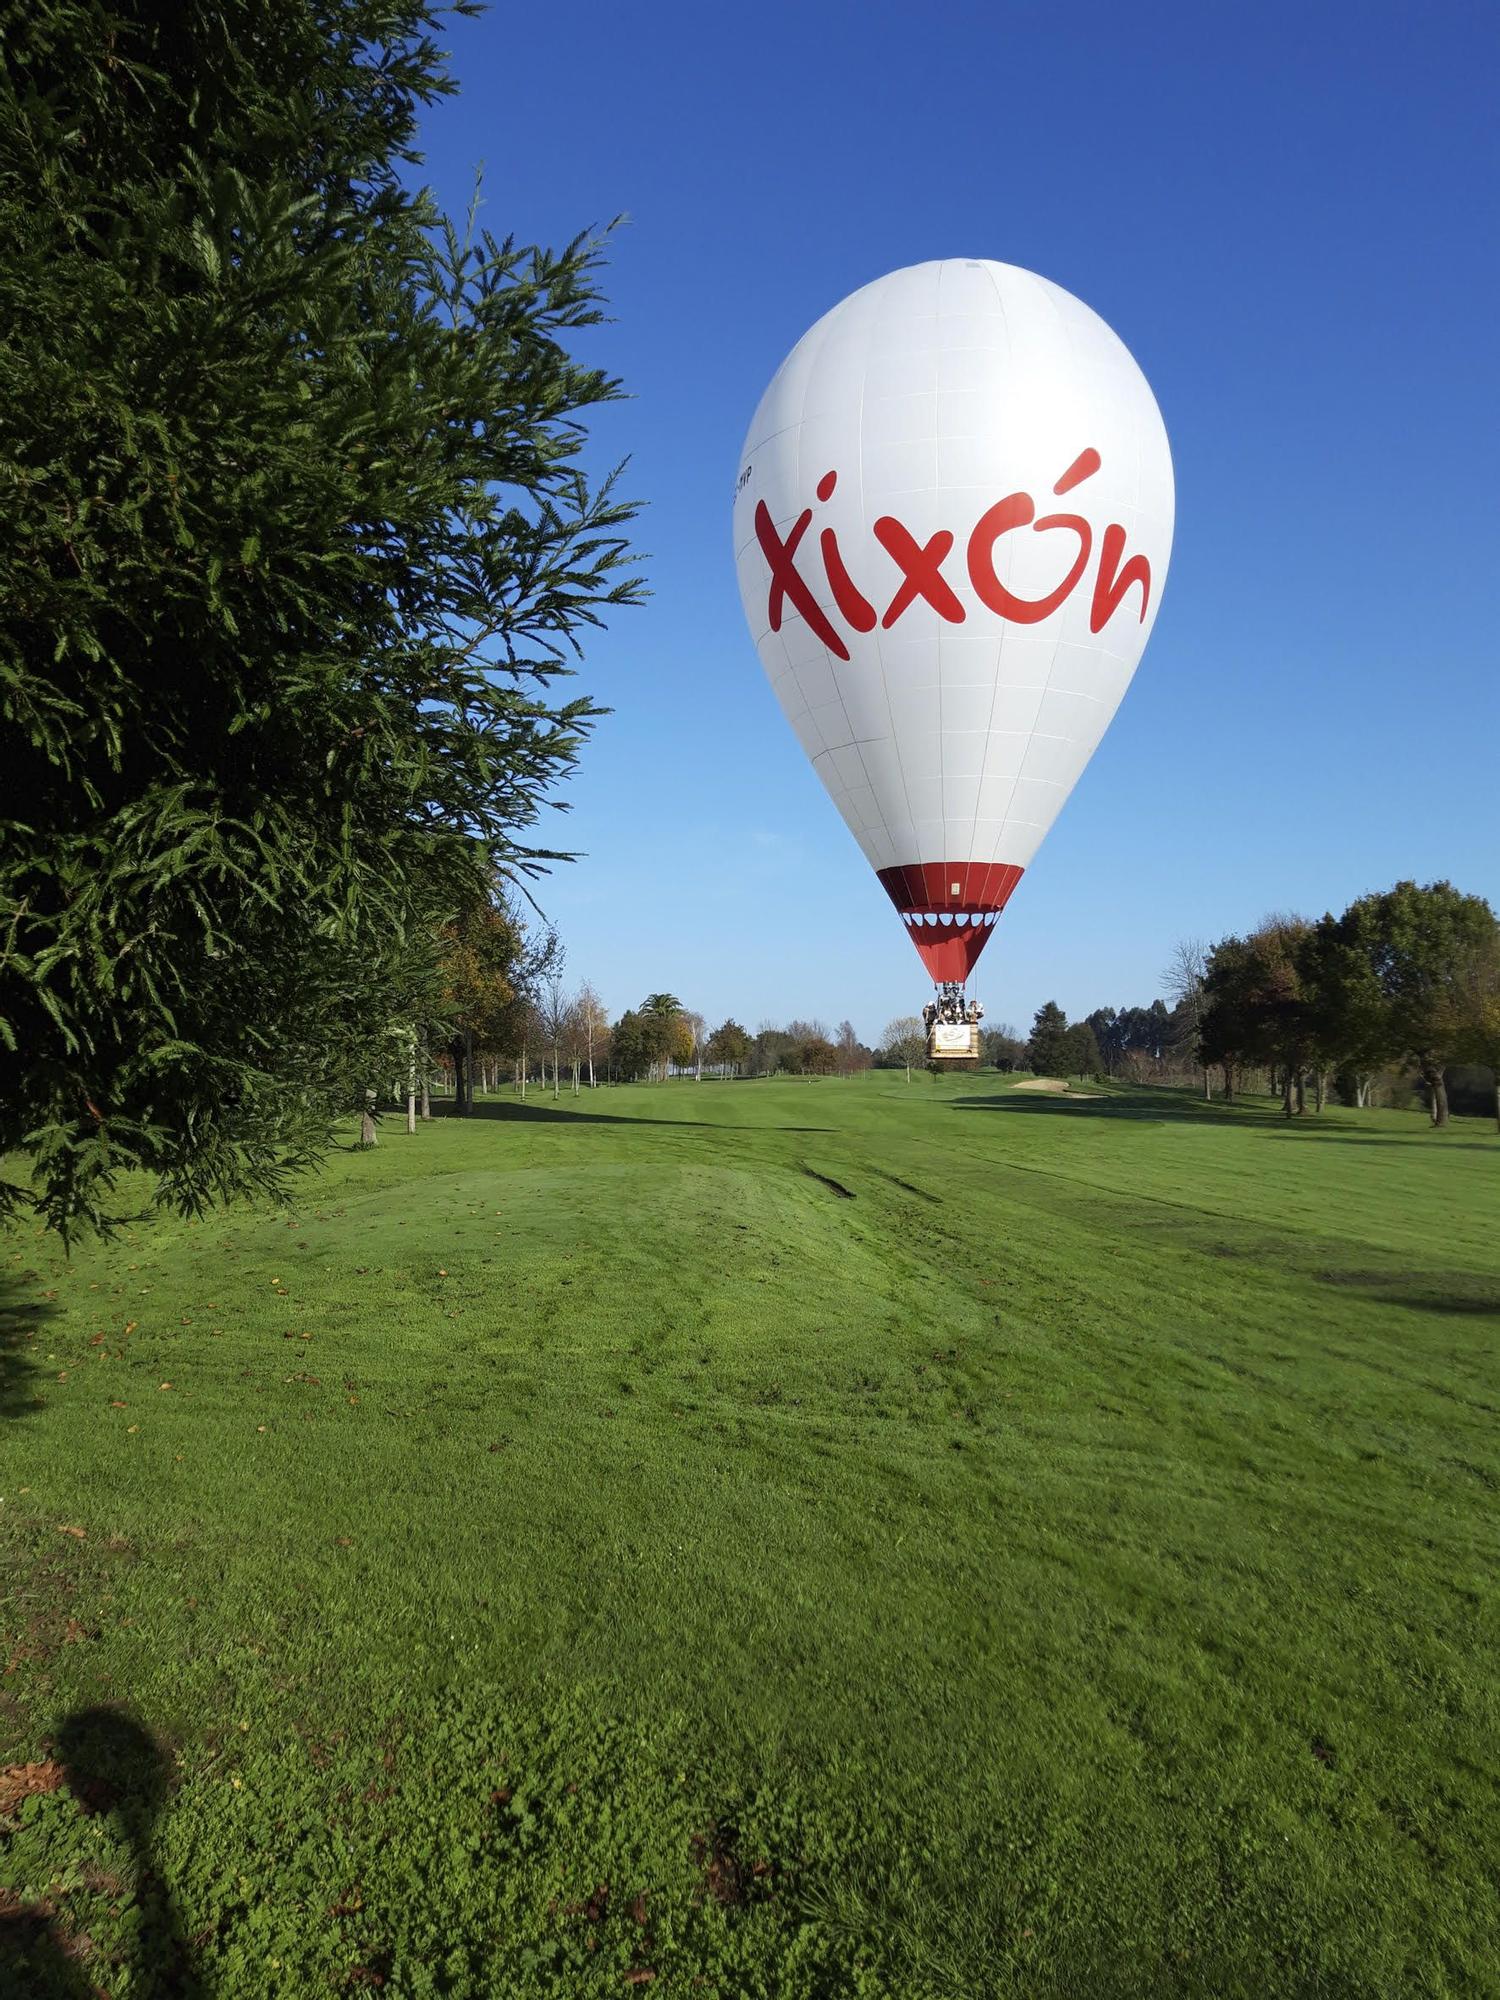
point(949, 909)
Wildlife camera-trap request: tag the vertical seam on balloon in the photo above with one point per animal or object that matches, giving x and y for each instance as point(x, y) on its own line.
point(1004, 629)
point(885, 686)
point(828, 324)
point(1067, 334)
point(943, 856)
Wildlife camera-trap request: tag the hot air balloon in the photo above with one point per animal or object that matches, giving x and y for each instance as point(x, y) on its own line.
point(951, 526)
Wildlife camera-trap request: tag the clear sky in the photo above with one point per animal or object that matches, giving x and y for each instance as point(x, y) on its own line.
point(1290, 216)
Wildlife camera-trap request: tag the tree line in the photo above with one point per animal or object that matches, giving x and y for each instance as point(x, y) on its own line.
point(1401, 992)
point(504, 1014)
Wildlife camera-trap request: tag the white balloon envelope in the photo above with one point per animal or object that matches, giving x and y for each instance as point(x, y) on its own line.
point(952, 525)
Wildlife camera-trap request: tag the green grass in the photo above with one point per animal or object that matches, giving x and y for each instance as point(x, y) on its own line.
point(586, 1544)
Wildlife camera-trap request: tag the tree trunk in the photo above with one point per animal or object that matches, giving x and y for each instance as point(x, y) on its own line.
point(1208, 1084)
point(1228, 1069)
point(367, 1136)
point(1320, 1089)
point(1301, 1092)
point(426, 1093)
point(1497, 1100)
point(1288, 1094)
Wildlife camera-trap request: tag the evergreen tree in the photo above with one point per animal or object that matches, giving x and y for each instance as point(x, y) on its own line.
point(295, 546)
point(1080, 1051)
point(1046, 1052)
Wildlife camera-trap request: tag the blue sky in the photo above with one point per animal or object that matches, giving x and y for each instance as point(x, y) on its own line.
point(1290, 216)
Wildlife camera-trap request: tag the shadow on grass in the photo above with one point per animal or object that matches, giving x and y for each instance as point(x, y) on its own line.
point(1423, 1291)
point(113, 1767)
point(1413, 1138)
point(1145, 1104)
point(1153, 1105)
point(22, 1312)
point(543, 1114)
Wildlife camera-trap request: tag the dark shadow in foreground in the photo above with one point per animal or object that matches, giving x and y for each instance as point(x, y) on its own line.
point(22, 1312)
point(110, 1764)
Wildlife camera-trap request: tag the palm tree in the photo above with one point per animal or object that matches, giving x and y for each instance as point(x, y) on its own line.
point(663, 1010)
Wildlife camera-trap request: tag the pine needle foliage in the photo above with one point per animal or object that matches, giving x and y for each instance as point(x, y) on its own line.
point(296, 545)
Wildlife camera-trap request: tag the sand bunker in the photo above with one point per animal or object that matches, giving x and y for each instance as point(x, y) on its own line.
point(1054, 1086)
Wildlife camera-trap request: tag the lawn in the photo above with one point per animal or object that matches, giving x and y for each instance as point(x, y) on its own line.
point(793, 1539)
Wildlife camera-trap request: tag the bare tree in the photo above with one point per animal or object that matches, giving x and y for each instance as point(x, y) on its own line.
point(554, 1008)
point(697, 1027)
point(593, 1023)
point(904, 1041)
point(852, 1055)
point(1183, 980)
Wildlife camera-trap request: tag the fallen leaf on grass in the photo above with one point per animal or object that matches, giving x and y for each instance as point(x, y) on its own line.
point(29, 1781)
point(163, 1385)
point(78, 1534)
point(642, 1975)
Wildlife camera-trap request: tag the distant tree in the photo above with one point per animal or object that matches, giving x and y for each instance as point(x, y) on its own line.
point(773, 1050)
point(682, 1043)
point(852, 1053)
point(807, 1031)
point(1284, 1020)
point(660, 1015)
point(633, 1042)
point(593, 1026)
point(904, 1043)
point(491, 973)
point(1080, 1051)
point(1228, 1024)
point(1348, 1019)
point(1002, 1048)
point(728, 1046)
point(1107, 1027)
point(554, 1010)
point(1257, 1009)
point(1423, 945)
point(1046, 1052)
point(1183, 979)
point(697, 1036)
point(816, 1056)
point(1477, 1005)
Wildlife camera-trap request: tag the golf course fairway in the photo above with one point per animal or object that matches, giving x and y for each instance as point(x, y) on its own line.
point(780, 1538)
